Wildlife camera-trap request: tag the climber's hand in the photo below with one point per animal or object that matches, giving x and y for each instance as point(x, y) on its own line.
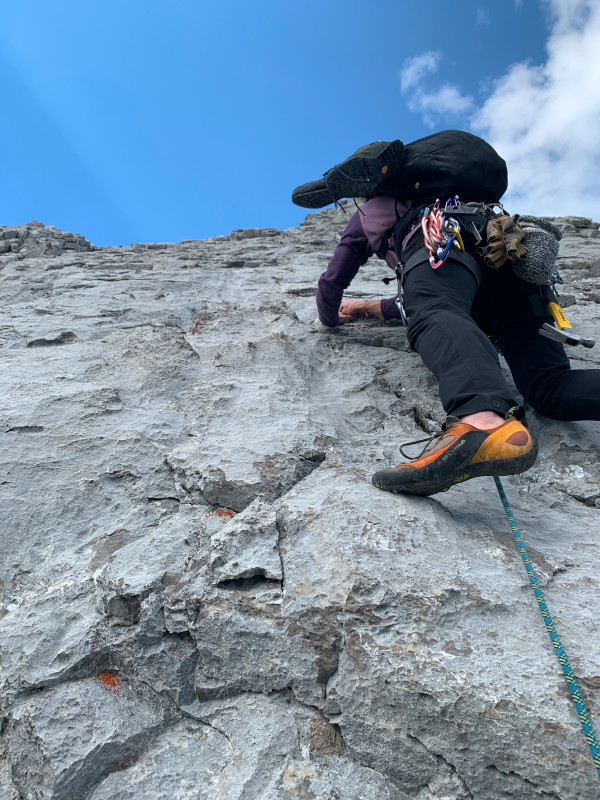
point(351, 309)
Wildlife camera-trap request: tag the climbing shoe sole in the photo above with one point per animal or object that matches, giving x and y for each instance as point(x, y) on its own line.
point(364, 171)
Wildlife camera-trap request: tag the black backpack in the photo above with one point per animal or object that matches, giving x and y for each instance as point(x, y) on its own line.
point(446, 164)
point(441, 165)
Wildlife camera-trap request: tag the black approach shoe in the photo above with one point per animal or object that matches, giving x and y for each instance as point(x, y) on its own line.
point(360, 175)
point(365, 170)
point(312, 195)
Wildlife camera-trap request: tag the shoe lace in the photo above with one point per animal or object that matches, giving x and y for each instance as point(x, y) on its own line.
point(427, 443)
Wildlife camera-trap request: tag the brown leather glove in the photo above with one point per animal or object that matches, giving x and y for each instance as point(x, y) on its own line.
point(504, 236)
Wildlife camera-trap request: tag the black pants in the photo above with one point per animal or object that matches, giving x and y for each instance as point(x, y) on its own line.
point(453, 309)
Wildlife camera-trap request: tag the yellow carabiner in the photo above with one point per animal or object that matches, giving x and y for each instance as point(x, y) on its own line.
point(458, 239)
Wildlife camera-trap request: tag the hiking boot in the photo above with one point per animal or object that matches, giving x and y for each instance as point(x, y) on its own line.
point(461, 452)
point(361, 173)
point(312, 195)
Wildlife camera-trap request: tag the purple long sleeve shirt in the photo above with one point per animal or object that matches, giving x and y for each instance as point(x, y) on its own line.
point(351, 253)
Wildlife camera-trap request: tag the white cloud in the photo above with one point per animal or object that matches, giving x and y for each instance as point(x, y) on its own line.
point(446, 101)
point(414, 69)
point(569, 14)
point(545, 120)
point(431, 105)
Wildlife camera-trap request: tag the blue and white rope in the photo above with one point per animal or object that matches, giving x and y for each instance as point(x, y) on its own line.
point(582, 713)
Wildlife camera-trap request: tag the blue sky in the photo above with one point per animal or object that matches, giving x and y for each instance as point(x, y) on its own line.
point(160, 121)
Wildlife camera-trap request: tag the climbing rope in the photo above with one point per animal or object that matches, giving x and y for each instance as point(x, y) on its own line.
point(584, 718)
point(440, 232)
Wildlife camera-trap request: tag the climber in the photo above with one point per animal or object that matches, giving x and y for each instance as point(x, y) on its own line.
point(451, 311)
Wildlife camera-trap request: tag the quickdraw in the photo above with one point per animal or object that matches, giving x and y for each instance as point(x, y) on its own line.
point(440, 232)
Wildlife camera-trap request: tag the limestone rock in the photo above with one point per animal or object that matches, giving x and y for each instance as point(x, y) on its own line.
point(279, 749)
point(36, 239)
point(247, 547)
point(61, 742)
point(202, 593)
point(184, 762)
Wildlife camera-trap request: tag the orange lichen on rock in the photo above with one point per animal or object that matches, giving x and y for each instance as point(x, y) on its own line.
point(127, 762)
point(222, 513)
point(109, 679)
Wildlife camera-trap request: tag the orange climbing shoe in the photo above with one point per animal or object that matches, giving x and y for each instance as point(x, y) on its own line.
point(461, 452)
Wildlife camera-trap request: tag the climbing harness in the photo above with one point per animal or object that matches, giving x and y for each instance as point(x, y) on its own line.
point(582, 713)
point(440, 232)
point(442, 226)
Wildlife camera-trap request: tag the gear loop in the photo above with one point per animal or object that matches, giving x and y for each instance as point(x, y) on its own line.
point(441, 231)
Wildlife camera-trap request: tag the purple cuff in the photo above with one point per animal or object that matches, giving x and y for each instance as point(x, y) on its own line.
point(389, 309)
point(351, 253)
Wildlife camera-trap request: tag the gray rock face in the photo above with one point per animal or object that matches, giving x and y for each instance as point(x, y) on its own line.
point(61, 742)
point(202, 593)
point(36, 239)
